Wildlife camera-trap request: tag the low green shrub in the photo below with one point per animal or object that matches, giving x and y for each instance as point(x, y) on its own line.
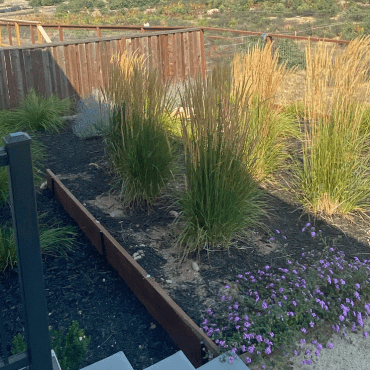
point(69, 352)
point(36, 113)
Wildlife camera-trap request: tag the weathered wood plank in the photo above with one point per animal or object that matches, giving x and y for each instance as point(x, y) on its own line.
point(56, 71)
point(186, 55)
point(170, 45)
point(191, 54)
point(4, 94)
point(18, 74)
point(154, 51)
point(99, 74)
point(11, 82)
point(90, 76)
point(63, 71)
point(47, 74)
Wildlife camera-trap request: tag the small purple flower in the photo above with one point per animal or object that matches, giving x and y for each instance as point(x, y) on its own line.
point(313, 234)
point(330, 345)
point(272, 335)
point(231, 359)
point(317, 353)
point(227, 287)
point(312, 324)
point(277, 232)
point(259, 338)
point(251, 349)
point(319, 347)
point(248, 360)
point(357, 286)
point(303, 330)
point(303, 341)
point(268, 350)
point(365, 334)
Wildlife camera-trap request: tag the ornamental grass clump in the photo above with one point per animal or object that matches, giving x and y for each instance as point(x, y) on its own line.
point(54, 239)
point(287, 309)
point(38, 152)
point(269, 130)
point(221, 200)
point(332, 178)
point(36, 113)
point(137, 144)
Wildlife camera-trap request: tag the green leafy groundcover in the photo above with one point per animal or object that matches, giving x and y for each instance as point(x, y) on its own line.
point(69, 352)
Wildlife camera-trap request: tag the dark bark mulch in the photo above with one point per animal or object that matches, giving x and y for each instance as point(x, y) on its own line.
point(75, 288)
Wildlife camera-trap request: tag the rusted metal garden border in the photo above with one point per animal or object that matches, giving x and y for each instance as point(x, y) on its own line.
point(179, 326)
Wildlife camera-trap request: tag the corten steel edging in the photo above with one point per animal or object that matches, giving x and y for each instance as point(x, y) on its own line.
point(179, 326)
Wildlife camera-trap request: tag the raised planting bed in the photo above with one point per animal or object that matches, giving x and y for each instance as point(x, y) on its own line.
point(81, 166)
point(85, 288)
point(181, 329)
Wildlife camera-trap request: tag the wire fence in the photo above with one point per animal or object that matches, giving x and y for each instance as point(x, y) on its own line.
point(221, 48)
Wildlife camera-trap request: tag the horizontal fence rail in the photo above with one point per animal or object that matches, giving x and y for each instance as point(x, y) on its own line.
point(76, 68)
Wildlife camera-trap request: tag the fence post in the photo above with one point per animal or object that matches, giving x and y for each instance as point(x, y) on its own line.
point(10, 34)
point(98, 32)
point(60, 29)
point(24, 213)
point(32, 35)
point(17, 33)
point(39, 35)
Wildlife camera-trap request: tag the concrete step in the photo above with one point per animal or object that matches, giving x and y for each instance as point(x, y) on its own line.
point(177, 361)
point(222, 363)
point(118, 361)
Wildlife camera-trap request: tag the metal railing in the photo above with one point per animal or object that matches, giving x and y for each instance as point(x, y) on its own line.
point(17, 156)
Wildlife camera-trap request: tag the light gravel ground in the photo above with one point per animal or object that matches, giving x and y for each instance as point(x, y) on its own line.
point(349, 353)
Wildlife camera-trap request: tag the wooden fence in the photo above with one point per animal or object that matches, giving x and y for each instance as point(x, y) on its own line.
point(76, 68)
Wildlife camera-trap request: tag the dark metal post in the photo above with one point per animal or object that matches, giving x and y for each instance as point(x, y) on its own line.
point(24, 212)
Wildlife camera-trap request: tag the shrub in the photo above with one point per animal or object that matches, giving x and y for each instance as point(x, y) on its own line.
point(70, 354)
point(221, 200)
point(36, 113)
point(136, 141)
point(333, 177)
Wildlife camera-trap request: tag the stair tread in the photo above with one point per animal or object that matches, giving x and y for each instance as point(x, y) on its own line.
point(118, 361)
point(177, 361)
point(222, 363)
